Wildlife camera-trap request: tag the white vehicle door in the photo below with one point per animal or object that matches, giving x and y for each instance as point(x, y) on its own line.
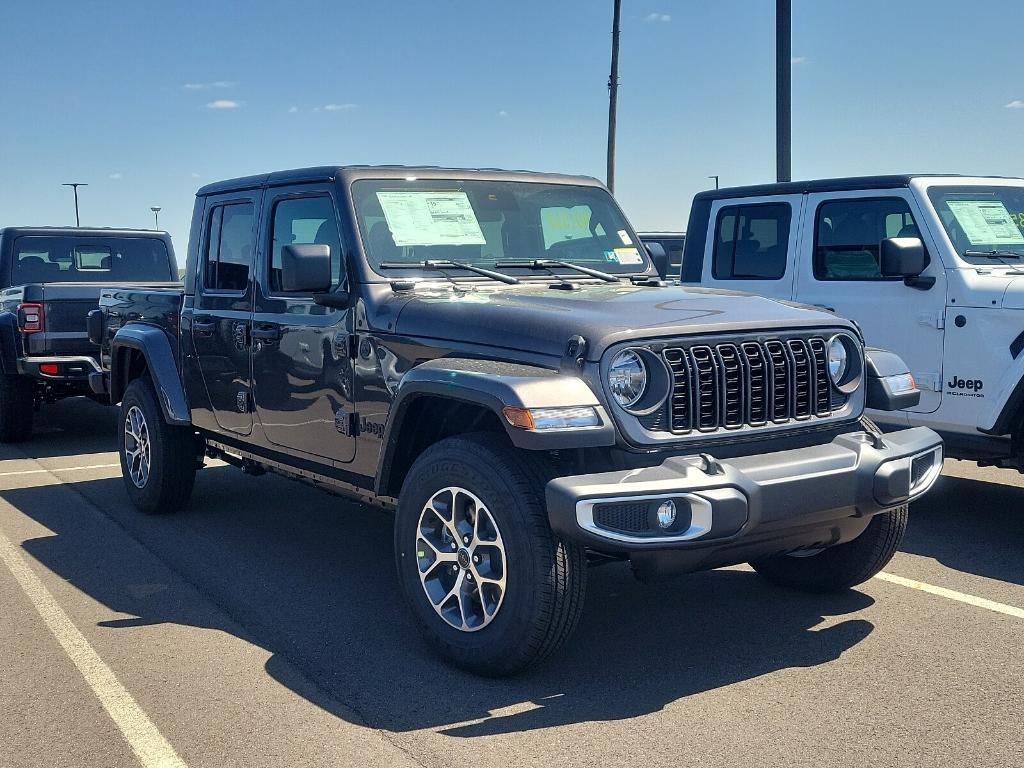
point(752, 244)
point(839, 269)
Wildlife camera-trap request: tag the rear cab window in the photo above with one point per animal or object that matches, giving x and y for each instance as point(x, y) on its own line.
point(228, 259)
point(83, 259)
point(848, 236)
point(751, 242)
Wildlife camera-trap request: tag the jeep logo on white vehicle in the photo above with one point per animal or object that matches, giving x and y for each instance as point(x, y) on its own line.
point(967, 387)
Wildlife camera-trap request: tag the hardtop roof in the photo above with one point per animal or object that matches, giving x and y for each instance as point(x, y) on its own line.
point(841, 184)
point(328, 173)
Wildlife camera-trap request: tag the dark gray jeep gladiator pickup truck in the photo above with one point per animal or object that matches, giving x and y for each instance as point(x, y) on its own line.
point(492, 356)
point(50, 277)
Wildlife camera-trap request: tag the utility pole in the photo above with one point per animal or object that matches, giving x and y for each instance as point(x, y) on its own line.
point(715, 177)
point(156, 216)
point(613, 96)
point(783, 82)
point(75, 185)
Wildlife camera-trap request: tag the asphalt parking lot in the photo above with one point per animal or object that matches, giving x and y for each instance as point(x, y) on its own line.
point(263, 626)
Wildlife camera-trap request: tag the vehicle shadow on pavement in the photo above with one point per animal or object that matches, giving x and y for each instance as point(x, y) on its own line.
point(68, 428)
point(310, 578)
point(971, 526)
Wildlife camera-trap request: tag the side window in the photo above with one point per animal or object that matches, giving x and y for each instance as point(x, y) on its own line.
point(848, 236)
point(229, 249)
point(751, 242)
point(305, 221)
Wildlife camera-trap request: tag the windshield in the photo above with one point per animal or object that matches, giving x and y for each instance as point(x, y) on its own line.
point(40, 259)
point(981, 219)
point(486, 222)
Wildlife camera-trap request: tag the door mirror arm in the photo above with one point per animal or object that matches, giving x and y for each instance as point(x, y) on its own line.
point(920, 282)
point(335, 299)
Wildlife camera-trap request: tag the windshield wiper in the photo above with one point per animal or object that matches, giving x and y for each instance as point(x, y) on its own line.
point(994, 254)
point(548, 264)
point(440, 266)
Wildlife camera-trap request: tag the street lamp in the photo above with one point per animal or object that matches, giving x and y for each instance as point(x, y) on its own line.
point(156, 216)
point(75, 185)
point(715, 177)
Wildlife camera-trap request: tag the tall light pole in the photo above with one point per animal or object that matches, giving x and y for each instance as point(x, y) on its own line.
point(715, 177)
point(156, 216)
point(783, 82)
point(613, 95)
point(75, 185)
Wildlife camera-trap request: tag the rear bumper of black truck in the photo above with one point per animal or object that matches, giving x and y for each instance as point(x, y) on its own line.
point(60, 369)
point(705, 513)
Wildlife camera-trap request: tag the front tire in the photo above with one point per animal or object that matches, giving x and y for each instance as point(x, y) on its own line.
point(843, 566)
point(16, 409)
point(158, 460)
point(490, 585)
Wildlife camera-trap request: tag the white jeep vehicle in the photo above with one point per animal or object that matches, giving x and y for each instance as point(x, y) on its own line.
point(930, 267)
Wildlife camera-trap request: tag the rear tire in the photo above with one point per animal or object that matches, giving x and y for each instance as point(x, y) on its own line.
point(844, 565)
point(16, 409)
point(158, 460)
point(490, 585)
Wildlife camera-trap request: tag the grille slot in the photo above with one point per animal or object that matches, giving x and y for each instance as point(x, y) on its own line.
point(753, 383)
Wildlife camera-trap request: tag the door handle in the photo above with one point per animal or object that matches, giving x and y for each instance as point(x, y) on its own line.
point(203, 327)
point(266, 333)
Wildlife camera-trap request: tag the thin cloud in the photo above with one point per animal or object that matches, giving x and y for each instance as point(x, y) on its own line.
point(1015, 104)
point(336, 108)
point(292, 110)
point(658, 17)
point(797, 60)
point(208, 86)
point(224, 104)
point(502, 113)
point(116, 176)
point(195, 175)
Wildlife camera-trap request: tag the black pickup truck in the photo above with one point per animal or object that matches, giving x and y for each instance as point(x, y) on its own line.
point(492, 356)
point(51, 279)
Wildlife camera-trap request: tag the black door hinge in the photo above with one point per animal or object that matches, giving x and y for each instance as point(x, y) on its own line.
point(346, 422)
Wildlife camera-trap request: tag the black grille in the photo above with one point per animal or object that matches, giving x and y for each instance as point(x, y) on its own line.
point(728, 386)
point(919, 467)
point(624, 518)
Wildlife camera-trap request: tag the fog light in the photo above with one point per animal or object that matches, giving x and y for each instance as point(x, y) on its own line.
point(666, 513)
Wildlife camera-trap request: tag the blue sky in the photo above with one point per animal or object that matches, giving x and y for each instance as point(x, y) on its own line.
point(147, 101)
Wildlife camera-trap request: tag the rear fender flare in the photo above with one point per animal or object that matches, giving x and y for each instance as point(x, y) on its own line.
point(8, 343)
point(161, 364)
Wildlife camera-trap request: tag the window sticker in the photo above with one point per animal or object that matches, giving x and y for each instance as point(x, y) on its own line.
point(986, 221)
point(624, 256)
point(424, 217)
point(624, 237)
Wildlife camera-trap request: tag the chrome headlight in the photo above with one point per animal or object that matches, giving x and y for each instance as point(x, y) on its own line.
point(627, 378)
point(838, 359)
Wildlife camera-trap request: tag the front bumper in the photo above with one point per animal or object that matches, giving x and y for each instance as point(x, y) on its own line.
point(778, 501)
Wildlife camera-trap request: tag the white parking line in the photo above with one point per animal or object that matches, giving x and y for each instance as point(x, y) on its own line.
point(148, 744)
point(961, 597)
point(57, 469)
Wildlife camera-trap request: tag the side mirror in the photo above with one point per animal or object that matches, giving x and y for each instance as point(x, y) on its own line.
point(306, 268)
point(659, 257)
point(903, 257)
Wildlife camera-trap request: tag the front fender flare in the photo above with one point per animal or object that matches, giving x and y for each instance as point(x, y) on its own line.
point(494, 385)
point(155, 347)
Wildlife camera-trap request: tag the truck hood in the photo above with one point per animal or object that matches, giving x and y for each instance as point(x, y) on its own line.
point(535, 318)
